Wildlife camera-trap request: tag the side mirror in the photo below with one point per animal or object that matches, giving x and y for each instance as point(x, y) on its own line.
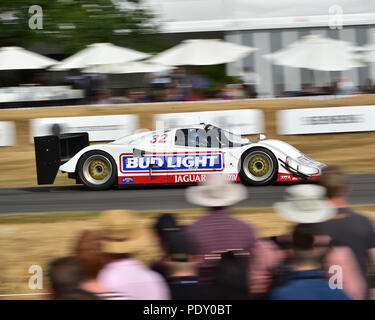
point(261, 136)
point(151, 167)
point(137, 153)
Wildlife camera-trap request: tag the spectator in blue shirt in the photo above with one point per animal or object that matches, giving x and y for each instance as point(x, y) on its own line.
point(307, 280)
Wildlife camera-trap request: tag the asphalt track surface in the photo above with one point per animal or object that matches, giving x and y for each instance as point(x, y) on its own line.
point(78, 198)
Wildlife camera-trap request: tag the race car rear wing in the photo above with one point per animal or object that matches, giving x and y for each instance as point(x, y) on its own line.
point(53, 151)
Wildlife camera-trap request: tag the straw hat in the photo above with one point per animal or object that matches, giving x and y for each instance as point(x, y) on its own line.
point(216, 192)
point(121, 232)
point(305, 204)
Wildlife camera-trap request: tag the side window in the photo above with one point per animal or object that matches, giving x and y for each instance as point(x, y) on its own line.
point(180, 138)
point(193, 137)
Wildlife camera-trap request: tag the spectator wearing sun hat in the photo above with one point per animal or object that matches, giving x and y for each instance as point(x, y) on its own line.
point(122, 238)
point(307, 205)
point(217, 231)
point(90, 256)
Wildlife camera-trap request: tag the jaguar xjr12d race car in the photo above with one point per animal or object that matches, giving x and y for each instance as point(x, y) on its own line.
point(181, 155)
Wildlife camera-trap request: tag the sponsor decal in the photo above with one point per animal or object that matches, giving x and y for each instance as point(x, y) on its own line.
point(200, 178)
point(326, 120)
point(173, 162)
point(127, 180)
point(99, 128)
point(7, 133)
point(174, 178)
point(335, 119)
point(190, 178)
point(287, 177)
point(284, 177)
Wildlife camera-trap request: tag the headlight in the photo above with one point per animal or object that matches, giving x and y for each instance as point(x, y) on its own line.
point(308, 170)
point(302, 168)
point(292, 163)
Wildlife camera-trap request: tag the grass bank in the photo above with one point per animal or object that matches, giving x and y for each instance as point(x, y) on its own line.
point(37, 238)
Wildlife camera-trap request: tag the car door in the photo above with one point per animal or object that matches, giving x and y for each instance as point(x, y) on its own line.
point(193, 157)
point(147, 163)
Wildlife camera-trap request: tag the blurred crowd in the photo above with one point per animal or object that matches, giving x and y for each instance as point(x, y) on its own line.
point(340, 86)
point(326, 255)
point(168, 86)
point(178, 84)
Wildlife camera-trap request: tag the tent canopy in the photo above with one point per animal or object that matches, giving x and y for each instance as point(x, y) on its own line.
point(17, 58)
point(128, 67)
point(202, 52)
point(99, 54)
point(318, 53)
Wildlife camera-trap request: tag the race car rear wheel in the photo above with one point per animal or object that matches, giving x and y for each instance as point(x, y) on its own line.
point(97, 170)
point(258, 167)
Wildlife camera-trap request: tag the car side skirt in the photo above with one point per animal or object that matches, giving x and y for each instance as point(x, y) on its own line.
point(172, 178)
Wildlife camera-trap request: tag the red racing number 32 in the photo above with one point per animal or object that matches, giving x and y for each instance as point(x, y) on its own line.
point(159, 138)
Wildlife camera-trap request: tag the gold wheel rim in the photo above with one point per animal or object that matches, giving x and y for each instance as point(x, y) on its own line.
point(98, 169)
point(259, 165)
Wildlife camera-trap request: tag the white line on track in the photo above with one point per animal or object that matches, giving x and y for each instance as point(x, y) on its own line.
point(23, 294)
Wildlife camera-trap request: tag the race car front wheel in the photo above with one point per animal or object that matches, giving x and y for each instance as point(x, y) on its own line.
point(258, 167)
point(97, 170)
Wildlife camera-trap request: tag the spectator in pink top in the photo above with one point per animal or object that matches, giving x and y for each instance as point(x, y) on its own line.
point(89, 253)
point(122, 236)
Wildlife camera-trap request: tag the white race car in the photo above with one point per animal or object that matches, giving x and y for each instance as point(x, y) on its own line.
point(181, 155)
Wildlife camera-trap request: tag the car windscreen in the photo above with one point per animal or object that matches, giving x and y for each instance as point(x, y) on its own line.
point(209, 137)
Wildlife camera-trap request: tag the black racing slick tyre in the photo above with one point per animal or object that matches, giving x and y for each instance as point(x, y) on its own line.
point(259, 166)
point(97, 170)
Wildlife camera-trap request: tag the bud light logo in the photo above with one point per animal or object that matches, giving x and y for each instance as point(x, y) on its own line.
point(172, 162)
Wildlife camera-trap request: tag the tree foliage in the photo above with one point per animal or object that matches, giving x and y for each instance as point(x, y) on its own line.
point(72, 24)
